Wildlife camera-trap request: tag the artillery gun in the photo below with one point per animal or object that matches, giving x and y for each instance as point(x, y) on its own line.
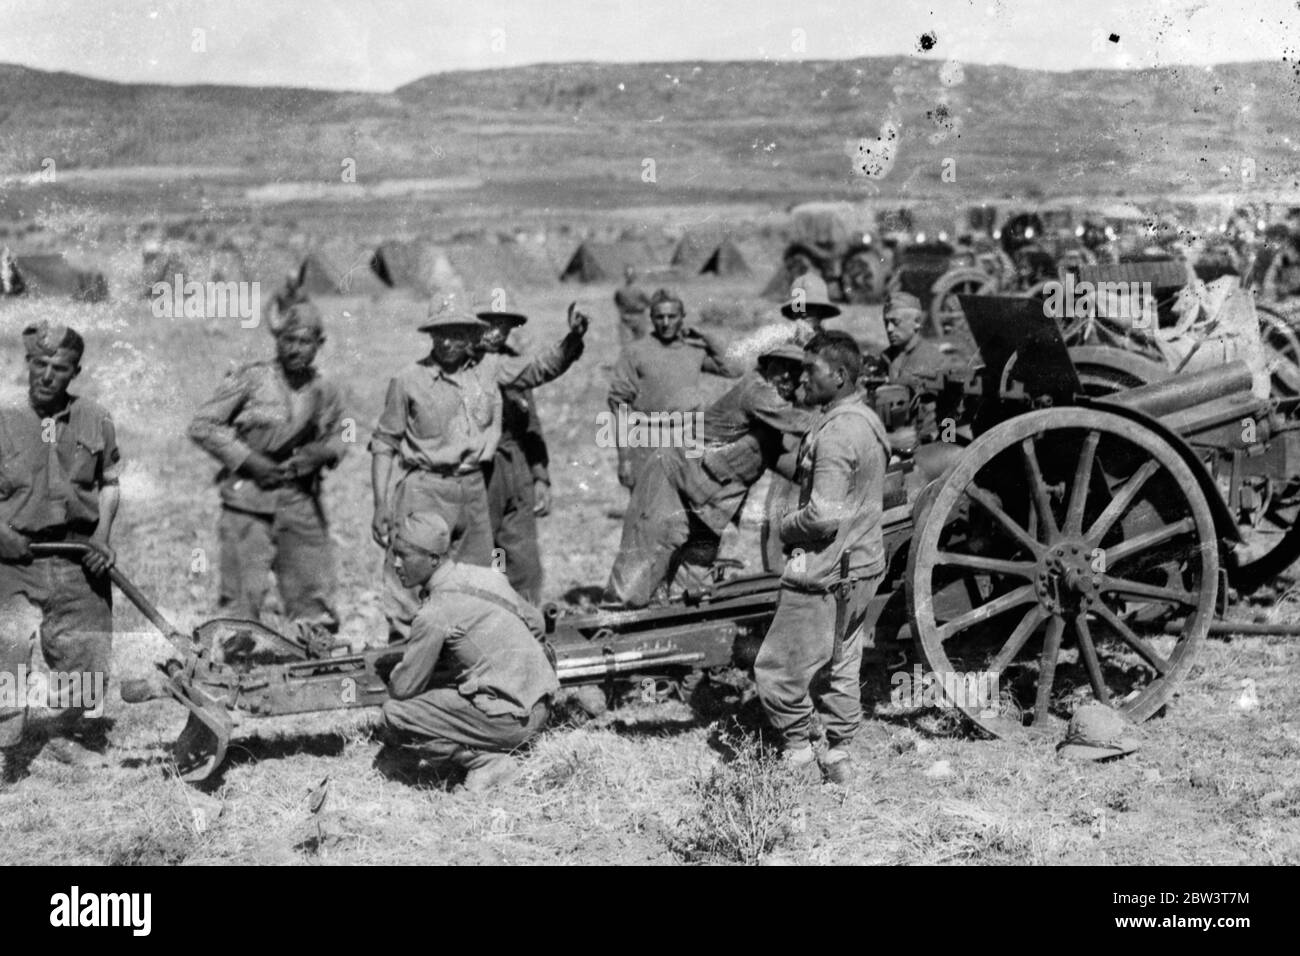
point(1076, 547)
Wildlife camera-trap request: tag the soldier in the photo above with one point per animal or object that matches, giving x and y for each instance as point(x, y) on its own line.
point(632, 304)
point(275, 426)
point(681, 505)
point(474, 683)
point(59, 469)
point(439, 428)
point(518, 480)
point(289, 294)
point(835, 569)
point(661, 375)
point(917, 363)
point(809, 306)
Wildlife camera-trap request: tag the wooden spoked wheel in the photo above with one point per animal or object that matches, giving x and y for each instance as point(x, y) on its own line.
point(1104, 370)
point(1057, 554)
point(1281, 350)
point(946, 316)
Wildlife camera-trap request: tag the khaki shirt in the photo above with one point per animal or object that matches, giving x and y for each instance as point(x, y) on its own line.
point(841, 480)
point(653, 377)
point(489, 649)
point(919, 365)
point(255, 409)
point(451, 421)
point(51, 485)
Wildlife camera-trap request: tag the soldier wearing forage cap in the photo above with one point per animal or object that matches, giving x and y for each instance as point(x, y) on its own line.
point(660, 375)
point(681, 505)
point(275, 426)
point(59, 468)
point(439, 428)
point(518, 479)
point(474, 683)
point(916, 362)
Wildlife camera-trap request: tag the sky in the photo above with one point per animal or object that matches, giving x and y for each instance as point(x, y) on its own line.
point(378, 45)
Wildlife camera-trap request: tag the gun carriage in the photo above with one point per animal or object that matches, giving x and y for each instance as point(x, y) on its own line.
point(1076, 546)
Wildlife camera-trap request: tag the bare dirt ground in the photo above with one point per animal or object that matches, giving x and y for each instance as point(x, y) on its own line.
point(1215, 782)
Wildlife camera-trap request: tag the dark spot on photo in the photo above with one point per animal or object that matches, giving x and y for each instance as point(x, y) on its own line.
point(927, 41)
point(1114, 38)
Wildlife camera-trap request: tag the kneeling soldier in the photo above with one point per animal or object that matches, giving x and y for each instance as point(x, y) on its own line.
point(59, 468)
point(474, 683)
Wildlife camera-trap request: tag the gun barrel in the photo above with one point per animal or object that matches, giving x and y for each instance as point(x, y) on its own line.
point(1186, 390)
point(622, 663)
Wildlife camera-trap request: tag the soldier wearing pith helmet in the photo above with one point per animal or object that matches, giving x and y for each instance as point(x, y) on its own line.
point(440, 427)
point(518, 478)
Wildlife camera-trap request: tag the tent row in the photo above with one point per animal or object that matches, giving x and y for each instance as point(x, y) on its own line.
point(340, 268)
point(607, 262)
point(50, 275)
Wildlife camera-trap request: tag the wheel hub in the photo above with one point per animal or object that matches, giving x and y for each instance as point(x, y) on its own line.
point(1065, 580)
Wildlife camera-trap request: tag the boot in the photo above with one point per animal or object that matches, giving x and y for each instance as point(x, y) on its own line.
point(73, 753)
point(800, 762)
point(15, 763)
point(837, 767)
point(78, 741)
point(487, 770)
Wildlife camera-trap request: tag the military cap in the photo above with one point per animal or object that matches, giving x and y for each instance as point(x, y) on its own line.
point(903, 302)
point(47, 338)
point(787, 351)
point(1097, 732)
point(300, 315)
point(449, 313)
point(511, 319)
point(427, 532)
point(809, 299)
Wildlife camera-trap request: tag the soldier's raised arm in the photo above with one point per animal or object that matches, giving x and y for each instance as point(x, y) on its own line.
point(524, 371)
point(715, 354)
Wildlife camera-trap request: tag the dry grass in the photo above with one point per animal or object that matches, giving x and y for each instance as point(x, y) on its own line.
point(746, 807)
point(1212, 784)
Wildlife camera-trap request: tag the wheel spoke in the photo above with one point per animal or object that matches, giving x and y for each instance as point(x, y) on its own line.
point(1141, 589)
point(1012, 528)
point(1024, 630)
point(977, 562)
point(1034, 472)
point(1149, 539)
point(1119, 504)
point(1145, 650)
point(1089, 653)
point(1021, 595)
point(1047, 668)
point(1079, 490)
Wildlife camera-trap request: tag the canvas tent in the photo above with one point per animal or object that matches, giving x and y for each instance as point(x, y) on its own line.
point(51, 275)
point(725, 260)
point(693, 250)
point(318, 276)
point(416, 265)
point(605, 262)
